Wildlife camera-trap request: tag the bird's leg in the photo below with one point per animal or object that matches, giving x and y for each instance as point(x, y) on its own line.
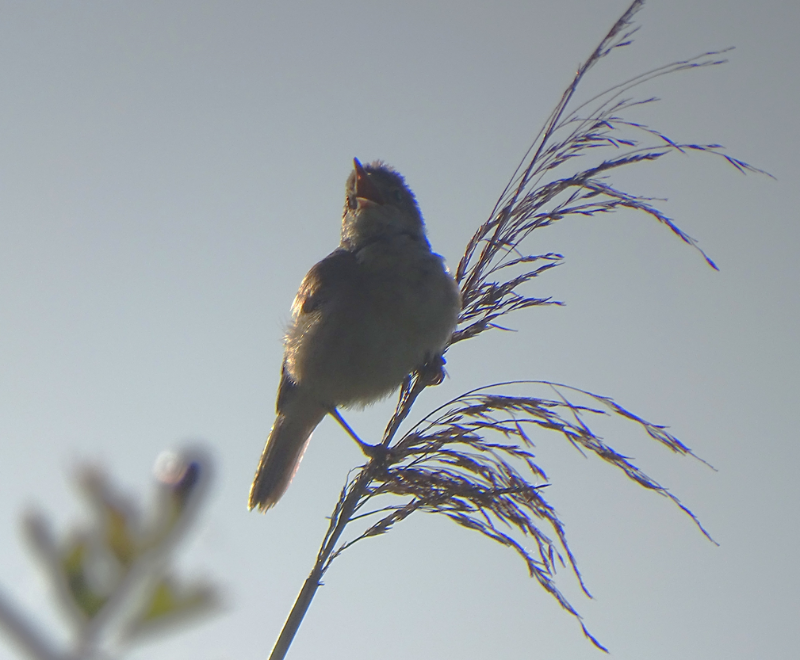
point(368, 449)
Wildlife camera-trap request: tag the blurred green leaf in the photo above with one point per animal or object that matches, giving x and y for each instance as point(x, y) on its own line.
point(171, 604)
point(121, 542)
point(74, 563)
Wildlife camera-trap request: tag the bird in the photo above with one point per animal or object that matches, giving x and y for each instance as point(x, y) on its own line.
point(379, 307)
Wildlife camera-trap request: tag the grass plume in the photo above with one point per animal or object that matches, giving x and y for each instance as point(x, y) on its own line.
point(472, 459)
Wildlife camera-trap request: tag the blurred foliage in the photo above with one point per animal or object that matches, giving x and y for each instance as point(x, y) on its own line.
point(112, 576)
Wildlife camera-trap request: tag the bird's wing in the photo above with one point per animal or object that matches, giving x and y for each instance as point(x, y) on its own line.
point(334, 274)
point(328, 279)
point(286, 390)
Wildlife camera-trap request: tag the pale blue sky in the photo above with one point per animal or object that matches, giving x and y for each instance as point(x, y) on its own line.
point(169, 171)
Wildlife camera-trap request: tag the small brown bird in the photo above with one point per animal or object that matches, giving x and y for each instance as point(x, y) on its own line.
point(374, 310)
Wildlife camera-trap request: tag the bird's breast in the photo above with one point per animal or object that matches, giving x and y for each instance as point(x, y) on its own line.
point(397, 311)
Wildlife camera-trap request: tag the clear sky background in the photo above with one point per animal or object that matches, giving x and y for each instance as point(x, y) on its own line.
point(169, 171)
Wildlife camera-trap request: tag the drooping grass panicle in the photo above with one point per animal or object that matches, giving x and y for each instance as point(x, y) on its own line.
point(472, 460)
point(537, 196)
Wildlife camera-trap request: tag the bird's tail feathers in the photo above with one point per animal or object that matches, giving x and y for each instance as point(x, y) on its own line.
point(285, 447)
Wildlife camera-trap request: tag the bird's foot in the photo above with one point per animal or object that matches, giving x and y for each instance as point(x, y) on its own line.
point(432, 372)
point(379, 453)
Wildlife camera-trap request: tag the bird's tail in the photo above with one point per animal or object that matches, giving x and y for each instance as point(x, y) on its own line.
point(284, 449)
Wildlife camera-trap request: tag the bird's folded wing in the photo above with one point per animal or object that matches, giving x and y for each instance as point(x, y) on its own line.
point(328, 278)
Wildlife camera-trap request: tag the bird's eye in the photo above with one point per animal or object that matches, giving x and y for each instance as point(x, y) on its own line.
point(398, 195)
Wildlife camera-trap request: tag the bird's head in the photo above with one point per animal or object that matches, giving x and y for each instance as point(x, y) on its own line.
point(379, 205)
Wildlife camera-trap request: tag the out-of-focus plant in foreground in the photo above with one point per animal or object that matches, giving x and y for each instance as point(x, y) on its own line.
point(113, 576)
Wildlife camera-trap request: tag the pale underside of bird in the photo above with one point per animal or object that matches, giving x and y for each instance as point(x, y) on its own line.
point(379, 307)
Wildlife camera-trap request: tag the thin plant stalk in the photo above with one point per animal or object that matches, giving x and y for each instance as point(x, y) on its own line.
point(339, 521)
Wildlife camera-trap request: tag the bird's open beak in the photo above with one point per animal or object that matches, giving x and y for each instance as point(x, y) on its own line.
point(366, 192)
